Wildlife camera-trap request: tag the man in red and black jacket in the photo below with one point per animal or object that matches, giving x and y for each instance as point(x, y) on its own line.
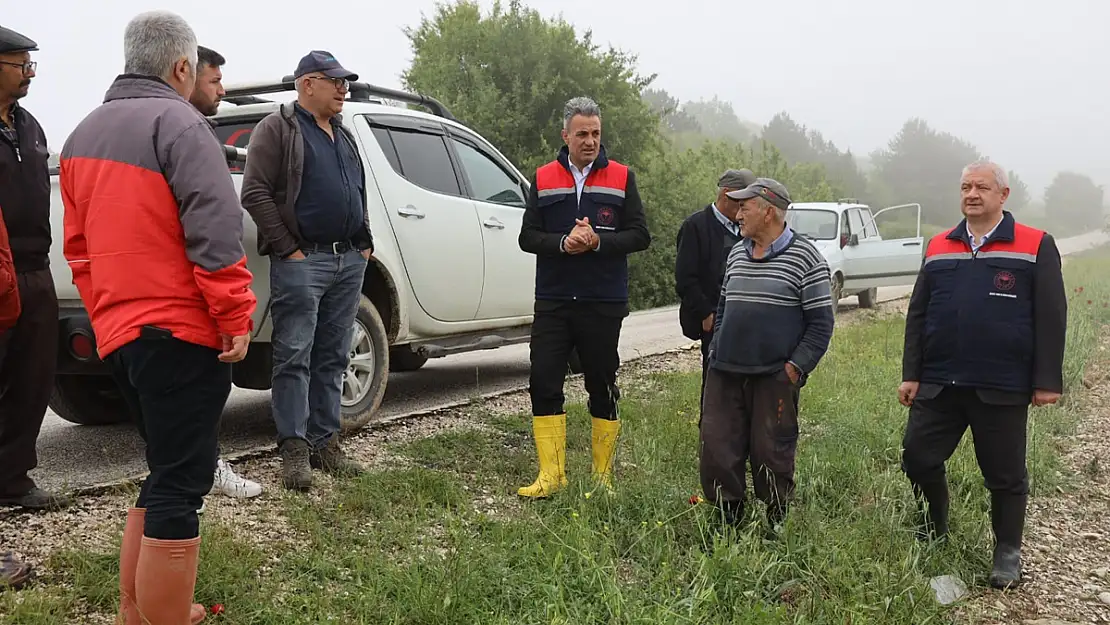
point(153, 236)
point(984, 338)
point(583, 218)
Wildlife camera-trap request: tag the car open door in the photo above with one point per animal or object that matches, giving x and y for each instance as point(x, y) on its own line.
point(891, 260)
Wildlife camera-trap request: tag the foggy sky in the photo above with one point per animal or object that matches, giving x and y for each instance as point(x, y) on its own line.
point(1028, 89)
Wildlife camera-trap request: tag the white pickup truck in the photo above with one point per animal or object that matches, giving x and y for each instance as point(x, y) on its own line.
point(448, 275)
point(860, 259)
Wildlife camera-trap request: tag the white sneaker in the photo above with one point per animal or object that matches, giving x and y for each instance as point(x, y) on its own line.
point(228, 483)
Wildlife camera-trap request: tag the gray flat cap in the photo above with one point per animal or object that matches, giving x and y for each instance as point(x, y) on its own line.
point(11, 41)
point(766, 188)
point(735, 179)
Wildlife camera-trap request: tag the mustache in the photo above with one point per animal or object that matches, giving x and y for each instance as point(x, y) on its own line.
point(26, 82)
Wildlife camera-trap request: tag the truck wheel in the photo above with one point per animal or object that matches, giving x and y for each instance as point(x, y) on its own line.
point(869, 298)
point(89, 400)
point(403, 358)
point(367, 371)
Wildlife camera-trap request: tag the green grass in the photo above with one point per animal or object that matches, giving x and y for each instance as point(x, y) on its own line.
point(418, 544)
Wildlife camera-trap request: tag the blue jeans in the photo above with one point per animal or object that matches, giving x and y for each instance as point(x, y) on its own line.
point(313, 307)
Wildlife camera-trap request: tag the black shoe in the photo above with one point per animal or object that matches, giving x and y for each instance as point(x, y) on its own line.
point(296, 474)
point(933, 518)
point(37, 499)
point(1008, 522)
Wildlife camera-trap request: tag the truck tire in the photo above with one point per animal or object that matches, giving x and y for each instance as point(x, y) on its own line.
point(404, 359)
point(89, 400)
point(869, 298)
point(367, 372)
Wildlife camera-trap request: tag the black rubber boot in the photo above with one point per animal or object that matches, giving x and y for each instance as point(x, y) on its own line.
point(933, 500)
point(1008, 522)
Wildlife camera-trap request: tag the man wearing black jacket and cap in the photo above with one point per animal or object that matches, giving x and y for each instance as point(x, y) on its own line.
point(27, 369)
point(704, 240)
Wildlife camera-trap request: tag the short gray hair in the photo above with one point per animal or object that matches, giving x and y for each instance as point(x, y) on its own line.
point(762, 203)
point(1000, 176)
point(579, 106)
point(154, 41)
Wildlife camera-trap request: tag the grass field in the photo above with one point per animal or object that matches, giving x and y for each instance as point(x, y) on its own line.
point(422, 543)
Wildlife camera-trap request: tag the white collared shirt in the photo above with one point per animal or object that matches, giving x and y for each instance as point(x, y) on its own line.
point(975, 245)
point(579, 176)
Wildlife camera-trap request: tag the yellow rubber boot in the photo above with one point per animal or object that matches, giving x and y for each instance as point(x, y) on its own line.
point(550, 433)
point(604, 445)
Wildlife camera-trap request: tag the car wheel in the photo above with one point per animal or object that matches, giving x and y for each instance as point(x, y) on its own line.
point(869, 298)
point(367, 372)
point(89, 400)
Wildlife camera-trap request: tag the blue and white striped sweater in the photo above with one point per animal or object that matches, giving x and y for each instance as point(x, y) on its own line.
point(773, 310)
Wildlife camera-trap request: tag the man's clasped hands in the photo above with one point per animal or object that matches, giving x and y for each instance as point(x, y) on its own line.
point(582, 238)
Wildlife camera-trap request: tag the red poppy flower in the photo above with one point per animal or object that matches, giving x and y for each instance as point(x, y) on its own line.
point(218, 608)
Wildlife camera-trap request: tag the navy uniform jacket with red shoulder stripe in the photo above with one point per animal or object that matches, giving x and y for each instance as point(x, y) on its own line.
point(994, 319)
point(611, 201)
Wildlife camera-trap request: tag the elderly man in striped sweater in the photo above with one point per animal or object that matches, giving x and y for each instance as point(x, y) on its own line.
point(773, 324)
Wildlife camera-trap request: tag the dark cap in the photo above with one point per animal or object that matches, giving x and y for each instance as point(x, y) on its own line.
point(11, 41)
point(323, 61)
point(766, 188)
point(735, 179)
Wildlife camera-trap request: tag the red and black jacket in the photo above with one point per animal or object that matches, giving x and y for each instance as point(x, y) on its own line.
point(611, 200)
point(993, 319)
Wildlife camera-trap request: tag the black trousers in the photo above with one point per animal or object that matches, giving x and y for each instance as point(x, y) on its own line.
point(748, 417)
point(595, 332)
point(28, 359)
point(177, 391)
point(936, 425)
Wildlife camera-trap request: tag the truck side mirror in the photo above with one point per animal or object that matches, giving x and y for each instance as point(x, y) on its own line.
point(854, 241)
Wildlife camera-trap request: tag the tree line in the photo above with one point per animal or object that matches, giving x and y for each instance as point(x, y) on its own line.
point(508, 72)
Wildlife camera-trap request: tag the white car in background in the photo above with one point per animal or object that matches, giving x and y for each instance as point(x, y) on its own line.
point(860, 259)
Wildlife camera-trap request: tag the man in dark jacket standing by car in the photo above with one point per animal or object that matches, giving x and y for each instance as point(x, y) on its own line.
point(27, 371)
point(704, 240)
point(985, 335)
point(583, 218)
point(304, 187)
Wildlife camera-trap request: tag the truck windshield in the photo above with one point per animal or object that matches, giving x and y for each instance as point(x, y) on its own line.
point(813, 223)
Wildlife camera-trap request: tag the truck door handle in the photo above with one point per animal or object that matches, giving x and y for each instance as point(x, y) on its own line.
point(410, 211)
point(493, 222)
point(910, 244)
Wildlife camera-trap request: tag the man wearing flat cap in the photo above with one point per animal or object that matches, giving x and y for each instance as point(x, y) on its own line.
point(773, 324)
point(30, 347)
point(303, 186)
point(704, 240)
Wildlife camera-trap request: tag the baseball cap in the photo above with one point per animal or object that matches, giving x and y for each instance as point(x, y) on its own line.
point(766, 188)
point(11, 41)
point(323, 61)
point(736, 179)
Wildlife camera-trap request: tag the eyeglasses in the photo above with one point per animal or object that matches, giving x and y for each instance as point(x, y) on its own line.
point(26, 68)
point(342, 84)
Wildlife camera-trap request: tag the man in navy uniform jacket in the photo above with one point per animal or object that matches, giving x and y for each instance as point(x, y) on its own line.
point(582, 220)
point(984, 339)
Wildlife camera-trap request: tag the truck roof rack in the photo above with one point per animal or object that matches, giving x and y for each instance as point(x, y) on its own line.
point(247, 93)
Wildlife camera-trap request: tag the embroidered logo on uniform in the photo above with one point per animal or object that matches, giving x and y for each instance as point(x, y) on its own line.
point(1004, 280)
point(605, 216)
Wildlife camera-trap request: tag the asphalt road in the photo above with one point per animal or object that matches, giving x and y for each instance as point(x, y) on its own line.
point(72, 456)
